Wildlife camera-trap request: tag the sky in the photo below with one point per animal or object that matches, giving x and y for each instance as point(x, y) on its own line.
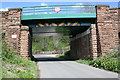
point(5, 5)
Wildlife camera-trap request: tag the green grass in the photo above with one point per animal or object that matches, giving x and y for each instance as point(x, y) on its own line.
point(12, 65)
point(83, 61)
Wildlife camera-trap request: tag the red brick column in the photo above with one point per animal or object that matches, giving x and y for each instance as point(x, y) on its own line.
point(93, 41)
point(115, 15)
point(24, 46)
point(12, 26)
point(107, 32)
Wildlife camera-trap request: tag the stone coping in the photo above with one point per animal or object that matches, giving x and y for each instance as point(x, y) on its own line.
point(14, 9)
point(103, 5)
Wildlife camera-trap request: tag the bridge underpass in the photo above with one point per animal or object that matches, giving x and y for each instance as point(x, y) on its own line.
point(78, 30)
point(75, 22)
point(81, 38)
point(80, 48)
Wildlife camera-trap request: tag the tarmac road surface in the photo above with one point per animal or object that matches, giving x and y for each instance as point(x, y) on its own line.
point(52, 67)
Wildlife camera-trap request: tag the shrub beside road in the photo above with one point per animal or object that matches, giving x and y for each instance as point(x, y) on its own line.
point(110, 63)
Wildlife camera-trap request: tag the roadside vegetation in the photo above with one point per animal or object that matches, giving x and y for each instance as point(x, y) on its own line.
point(65, 56)
point(46, 43)
point(14, 66)
point(109, 62)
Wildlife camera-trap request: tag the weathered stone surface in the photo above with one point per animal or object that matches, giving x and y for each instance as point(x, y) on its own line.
point(24, 28)
point(14, 16)
point(24, 45)
point(14, 43)
point(107, 25)
point(81, 47)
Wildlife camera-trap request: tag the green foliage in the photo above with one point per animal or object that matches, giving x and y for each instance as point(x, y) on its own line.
point(7, 53)
point(49, 43)
point(11, 58)
point(107, 63)
point(83, 61)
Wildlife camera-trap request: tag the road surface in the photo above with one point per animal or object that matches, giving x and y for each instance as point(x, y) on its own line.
point(53, 67)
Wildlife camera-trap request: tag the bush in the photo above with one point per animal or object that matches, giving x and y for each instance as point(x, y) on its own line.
point(107, 63)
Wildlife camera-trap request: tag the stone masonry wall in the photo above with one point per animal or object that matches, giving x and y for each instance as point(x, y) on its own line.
point(5, 20)
point(107, 28)
point(84, 46)
point(115, 15)
point(14, 43)
point(11, 24)
point(93, 41)
point(24, 47)
point(14, 16)
point(80, 46)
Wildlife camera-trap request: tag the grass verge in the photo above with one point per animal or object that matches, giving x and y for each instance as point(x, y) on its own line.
point(83, 61)
point(13, 66)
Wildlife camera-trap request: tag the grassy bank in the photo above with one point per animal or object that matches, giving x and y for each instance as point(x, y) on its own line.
point(109, 62)
point(14, 66)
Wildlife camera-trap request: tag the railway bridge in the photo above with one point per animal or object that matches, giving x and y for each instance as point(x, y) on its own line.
point(93, 29)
